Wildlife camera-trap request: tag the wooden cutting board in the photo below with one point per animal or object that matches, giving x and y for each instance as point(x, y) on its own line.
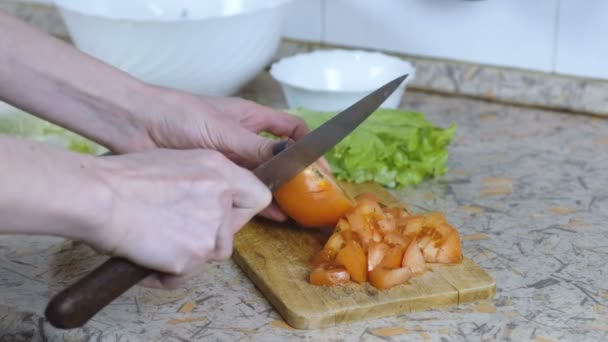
point(276, 258)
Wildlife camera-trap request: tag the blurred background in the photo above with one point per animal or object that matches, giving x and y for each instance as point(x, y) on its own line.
point(455, 46)
point(561, 36)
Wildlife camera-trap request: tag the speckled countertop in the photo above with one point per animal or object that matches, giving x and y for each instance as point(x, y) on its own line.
point(526, 188)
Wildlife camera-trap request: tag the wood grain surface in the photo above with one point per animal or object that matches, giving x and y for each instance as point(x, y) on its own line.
point(276, 258)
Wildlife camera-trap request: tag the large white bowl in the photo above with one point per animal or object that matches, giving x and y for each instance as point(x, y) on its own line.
point(332, 80)
point(210, 47)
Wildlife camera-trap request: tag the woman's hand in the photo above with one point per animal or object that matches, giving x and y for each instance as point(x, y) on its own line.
point(173, 211)
point(228, 125)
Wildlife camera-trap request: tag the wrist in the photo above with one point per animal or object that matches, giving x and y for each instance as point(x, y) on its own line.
point(48, 191)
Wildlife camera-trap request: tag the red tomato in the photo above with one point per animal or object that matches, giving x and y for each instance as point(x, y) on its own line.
point(329, 277)
point(413, 259)
point(383, 278)
point(375, 254)
point(313, 198)
point(352, 257)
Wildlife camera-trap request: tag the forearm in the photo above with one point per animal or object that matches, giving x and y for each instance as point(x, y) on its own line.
point(48, 191)
point(55, 81)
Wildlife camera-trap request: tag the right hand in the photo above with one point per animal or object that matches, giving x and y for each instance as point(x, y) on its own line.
point(173, 211)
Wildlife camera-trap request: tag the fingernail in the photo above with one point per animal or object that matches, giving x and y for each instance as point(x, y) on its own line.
point(280, 146)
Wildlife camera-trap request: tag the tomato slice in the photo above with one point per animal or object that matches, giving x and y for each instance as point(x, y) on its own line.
point(329, 277)
point(322, 258)
point(451, 250)
point(313, 198)
point(387, 223)
point(335, 243)
point(352, 257)
point(384, 245)
point(413, 259)
point(383, 278)
point(394, 238)
point(393, 257)
point(413, 224)
point(375, 254)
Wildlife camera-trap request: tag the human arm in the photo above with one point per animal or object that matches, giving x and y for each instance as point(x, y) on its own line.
point(171, 211)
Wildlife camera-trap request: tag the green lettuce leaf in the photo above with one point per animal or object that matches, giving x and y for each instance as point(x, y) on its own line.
point(24, 125)
point(392, 147)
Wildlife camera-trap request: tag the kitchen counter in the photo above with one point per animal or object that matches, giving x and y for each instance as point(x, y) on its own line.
point(526, 189)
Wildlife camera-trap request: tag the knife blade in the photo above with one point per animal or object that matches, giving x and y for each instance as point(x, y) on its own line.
point(76, 304)
point(292, 160)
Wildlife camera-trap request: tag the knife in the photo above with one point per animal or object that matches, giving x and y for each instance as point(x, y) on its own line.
point(75, 305)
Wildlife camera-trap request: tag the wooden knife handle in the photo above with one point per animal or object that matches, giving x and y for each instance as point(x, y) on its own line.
point(75, 305)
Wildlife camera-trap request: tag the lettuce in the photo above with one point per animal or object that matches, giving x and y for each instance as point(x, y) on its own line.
point(392, 147)
point(24, 125)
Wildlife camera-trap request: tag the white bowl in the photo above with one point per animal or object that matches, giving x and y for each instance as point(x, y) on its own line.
point(201, 46)
point(332, 80)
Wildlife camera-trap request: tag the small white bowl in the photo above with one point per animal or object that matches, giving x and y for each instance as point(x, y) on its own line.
point(201, 46)
point(332, 80)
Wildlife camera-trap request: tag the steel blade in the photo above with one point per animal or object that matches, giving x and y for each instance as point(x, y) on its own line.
point(298, 156)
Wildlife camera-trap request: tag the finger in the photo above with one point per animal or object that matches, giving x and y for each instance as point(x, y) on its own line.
point(273, 212)
point(234, 222)
point(224, 234)
point(164, 281)
point(248, 191)
point(247, 148)
point(261, 118)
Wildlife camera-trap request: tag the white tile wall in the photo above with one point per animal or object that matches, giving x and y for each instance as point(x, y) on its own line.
point(305, 20)
point(517, 33)
point(582, 48)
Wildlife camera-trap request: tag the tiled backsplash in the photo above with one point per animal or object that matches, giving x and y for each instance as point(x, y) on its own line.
point(561, 36)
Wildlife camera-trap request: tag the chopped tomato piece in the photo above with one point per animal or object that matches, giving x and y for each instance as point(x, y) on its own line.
point(383, 278)
point(342, 225)
point(376, 236)
point(394, 238)
point(387, 223)
point(313, 198)
point(347, 235)
point(334, 244)
point(451, 250)
point(358, 222)
point(433, 219)
point(393, 257)
point(375, 254)
point(329, 277)
point(413, 259)
point(413, 224)
point(323, 257)
point(352, 257)
point(384, 245)
point(368, 207)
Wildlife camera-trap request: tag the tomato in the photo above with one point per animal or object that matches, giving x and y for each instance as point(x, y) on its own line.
point(375, 254)
point(384, 245)
point(413, 259)
point(413, 224)
point(334, 244)
point(322, 258)
point(383, 278)
point(393, 257)
point(329, 277)
point(387, 223)
point(313, 198)
point(451, 250)
point(394, 238)
point(352, 257)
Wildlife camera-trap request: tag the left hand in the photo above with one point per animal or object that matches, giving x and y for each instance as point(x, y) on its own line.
point(228, 125)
